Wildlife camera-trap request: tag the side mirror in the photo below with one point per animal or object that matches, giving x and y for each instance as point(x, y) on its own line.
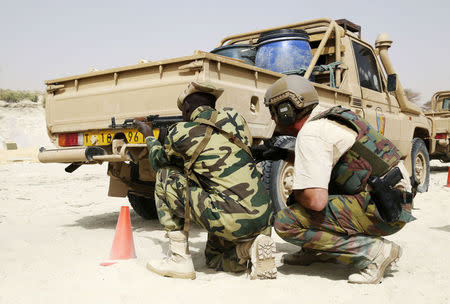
point(392, 82)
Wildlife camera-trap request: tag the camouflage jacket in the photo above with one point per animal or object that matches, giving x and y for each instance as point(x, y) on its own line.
point(224, 170)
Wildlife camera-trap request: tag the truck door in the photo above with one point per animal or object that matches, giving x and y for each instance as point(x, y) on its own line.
point(381, 111)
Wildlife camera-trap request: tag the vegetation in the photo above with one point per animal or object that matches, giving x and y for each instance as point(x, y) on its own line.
point(16, 96)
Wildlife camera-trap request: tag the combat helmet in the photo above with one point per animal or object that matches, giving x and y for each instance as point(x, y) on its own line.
point(287, 94)
point(193, 87)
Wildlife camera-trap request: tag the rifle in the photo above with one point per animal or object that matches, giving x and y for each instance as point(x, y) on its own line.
point(161, 123)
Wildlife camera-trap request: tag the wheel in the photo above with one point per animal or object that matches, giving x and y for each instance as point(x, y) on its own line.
point(420, 164)
point(144, 206)
point(278, 176)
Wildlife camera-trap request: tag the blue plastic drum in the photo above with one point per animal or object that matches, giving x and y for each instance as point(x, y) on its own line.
point(282, 51)
point(244, 52)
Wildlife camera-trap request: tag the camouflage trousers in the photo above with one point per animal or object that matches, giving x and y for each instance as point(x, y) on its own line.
point(349, 230)
point(223, 235)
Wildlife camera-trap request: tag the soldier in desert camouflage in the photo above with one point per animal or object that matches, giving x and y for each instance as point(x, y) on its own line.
point(333, 214)
point(206, 173)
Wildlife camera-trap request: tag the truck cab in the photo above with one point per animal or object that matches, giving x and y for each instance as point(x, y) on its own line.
point(440, 118)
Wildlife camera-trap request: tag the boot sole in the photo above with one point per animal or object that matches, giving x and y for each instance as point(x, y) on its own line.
point(263, 265)
point(172, 274)
point(394, 256)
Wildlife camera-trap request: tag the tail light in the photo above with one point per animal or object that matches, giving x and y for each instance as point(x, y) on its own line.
point(70, 139)
point(441, 136)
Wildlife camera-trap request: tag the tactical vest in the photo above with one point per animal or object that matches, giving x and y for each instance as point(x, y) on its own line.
point(372, 154)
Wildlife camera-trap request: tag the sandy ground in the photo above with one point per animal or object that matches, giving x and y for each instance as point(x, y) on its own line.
point(56, 228)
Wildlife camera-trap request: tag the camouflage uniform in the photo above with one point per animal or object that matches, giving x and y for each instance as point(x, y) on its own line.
point(227, 197)
point(349, 229)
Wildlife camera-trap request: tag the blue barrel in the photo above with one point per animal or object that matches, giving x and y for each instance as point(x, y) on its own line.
point(245, 52)
point(283, 51)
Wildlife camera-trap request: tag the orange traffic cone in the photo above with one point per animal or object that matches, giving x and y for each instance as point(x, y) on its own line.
point(448, 178)
point(123, 244)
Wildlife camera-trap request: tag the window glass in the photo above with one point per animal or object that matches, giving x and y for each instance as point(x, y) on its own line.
point(367, 67)
point(446, 104)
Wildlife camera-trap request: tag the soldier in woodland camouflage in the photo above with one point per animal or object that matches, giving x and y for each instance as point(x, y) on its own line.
point(333, 213)
point(206, 173)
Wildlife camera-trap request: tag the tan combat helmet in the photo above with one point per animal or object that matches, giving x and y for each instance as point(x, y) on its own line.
point(291, 90)
point(296, 89)
point(193, 87)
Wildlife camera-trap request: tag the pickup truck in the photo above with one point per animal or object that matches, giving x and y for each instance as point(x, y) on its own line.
point(84, 113)
point(440, 118)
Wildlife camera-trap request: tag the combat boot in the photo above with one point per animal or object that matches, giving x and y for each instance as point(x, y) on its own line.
point(260, 252)
point(306, 257)
point(178, 263)
point(373, 274)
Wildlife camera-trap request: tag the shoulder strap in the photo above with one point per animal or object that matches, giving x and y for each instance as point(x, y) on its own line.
point(230, 136)
point(204, 141)
point(333, 110)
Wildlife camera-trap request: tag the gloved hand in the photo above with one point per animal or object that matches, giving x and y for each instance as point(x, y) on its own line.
point(263, 152)
point(143, 128)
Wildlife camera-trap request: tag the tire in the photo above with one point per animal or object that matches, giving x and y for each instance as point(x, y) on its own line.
point(278, 176)
point(144, 206)
point(420, 164)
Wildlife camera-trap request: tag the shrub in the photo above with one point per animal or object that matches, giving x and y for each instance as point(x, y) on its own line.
point(16, 96)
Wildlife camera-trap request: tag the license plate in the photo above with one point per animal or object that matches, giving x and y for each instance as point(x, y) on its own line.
point(105, 137)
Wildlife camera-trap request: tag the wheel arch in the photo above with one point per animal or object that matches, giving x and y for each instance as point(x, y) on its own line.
point(423, 134)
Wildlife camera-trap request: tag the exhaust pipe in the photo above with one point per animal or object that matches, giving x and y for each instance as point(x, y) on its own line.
point(382, 44)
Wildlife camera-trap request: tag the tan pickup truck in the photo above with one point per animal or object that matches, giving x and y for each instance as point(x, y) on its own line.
point(345, 70)
point(440, 117)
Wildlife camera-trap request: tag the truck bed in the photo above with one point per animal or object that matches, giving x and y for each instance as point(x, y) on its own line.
point(88, 101)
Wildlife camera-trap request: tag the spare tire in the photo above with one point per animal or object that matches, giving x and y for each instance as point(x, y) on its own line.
point(278, 176)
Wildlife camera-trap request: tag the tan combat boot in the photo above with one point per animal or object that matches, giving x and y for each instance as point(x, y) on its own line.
point(178, 263)
point(373, 274)
point(260, 252)
point(306, 257)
